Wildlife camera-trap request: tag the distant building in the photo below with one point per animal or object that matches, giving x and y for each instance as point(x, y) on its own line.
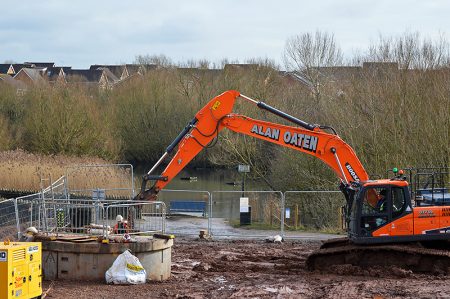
point(111, 76)
point(118, 70)
point(18, 66)
point(57, 74)
point(128, 81)
point(31, 76)
point(7, 68)
point(340, 76)
point(41, 64)
point(139, 68)
point(123, 71)
point(380, 66)
point(102, 77)
point(297, 78)
point(240, 66)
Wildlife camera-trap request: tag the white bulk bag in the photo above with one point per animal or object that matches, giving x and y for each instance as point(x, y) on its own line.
point(126, 269)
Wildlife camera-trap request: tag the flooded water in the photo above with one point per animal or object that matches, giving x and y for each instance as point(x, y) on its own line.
point(197, 198)
point(211, 180)
point(225, 187)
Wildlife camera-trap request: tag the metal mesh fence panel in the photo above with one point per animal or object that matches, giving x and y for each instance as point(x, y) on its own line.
point(8, 219)
point(187, 211)
point(181, 212)
point(28, 214)
point(135, 217)
point(246, 214)
point(93, 217)
point(314, 210)
point(7, 212)
point(30, 210)
point(80, 216)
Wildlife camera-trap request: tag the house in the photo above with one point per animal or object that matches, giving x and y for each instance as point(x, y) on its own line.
point(102, 77)
point(297, 78)
point(380, 66)
point(139, 68)
point(57, 74)
point(18, 66)
point(125, 70)
point(110, 77)
point(240, 67)
point(120, 71)
point(31, 76)
point(84, 76)
point(41, 64)
point(7, 68)
point(128, 81)
point(339, 76)
point(190, 77)
point(346, 74)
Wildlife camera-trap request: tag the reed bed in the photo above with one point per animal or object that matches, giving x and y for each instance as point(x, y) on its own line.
point(30, 172)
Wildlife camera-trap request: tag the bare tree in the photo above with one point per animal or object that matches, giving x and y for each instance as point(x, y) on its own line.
point(308, 52)
point(160, 60)
point(410, 51)
point(192, 63)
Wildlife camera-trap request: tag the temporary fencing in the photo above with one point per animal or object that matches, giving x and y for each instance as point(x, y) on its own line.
point(30, 210)
point(7, 212)
point(58, 209)
point(93, 217)
point(247, 213)
point(188, 211)
point(8, 219)
point(314, 210)
point(142, 217)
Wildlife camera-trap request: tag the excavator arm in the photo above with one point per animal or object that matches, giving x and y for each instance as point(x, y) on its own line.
point(217, 115)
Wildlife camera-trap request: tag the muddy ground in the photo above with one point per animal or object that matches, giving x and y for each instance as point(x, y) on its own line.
point(255, 269)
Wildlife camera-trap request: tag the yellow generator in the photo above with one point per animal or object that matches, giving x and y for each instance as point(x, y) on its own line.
point(20, 270)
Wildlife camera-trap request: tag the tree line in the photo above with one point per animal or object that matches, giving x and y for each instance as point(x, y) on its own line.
point(398, 116)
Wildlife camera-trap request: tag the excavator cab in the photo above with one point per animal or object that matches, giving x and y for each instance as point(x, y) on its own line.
point(378, 204)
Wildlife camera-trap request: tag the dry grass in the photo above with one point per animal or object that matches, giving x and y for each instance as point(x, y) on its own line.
point(26, 171)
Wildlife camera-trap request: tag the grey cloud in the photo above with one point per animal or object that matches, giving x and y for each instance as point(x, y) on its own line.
point(83, 32)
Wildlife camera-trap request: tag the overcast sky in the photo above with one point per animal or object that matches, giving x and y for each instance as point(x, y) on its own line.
point(79, 33)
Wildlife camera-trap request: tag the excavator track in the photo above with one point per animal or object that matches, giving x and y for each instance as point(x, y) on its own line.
point(409, 256)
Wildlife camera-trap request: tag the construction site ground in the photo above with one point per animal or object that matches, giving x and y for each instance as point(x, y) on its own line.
point(256, 269)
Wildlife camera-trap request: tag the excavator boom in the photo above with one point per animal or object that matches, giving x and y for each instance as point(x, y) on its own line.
point(217, 115)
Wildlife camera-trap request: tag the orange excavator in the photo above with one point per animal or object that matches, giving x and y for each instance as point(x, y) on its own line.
point(377, 212)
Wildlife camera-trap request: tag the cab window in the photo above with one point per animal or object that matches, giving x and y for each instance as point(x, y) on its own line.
point(374, 213)
point(398, 201)
point(375, 201)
